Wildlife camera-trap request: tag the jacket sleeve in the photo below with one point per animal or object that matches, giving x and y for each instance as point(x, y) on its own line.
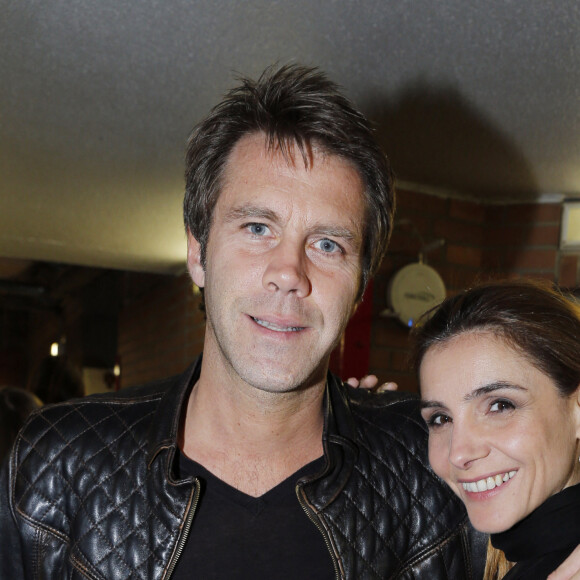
point(478, 542)
point(11, 560)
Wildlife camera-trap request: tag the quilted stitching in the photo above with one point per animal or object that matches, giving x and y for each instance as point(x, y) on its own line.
point(386, 523)
point(94, 486)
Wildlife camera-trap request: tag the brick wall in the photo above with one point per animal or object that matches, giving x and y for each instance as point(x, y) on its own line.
point(160, 328)
point(481, 242)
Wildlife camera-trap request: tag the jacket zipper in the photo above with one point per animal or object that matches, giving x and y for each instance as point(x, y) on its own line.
point(185, 531)
point(307, 510)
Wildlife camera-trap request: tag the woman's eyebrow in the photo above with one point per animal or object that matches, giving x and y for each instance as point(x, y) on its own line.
point(431, 404)
point(491, 387)
point(479, 392)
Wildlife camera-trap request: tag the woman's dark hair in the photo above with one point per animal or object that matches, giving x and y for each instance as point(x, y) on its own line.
point(291, 105)
point(533, 317)
point(15, 406)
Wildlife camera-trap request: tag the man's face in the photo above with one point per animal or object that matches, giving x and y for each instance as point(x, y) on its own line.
point(283, 266)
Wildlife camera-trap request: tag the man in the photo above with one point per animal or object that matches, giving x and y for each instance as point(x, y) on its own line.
point(256, 463)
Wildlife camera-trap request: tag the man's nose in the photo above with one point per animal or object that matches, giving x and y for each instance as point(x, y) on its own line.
point(468, 443)
point(286, 270)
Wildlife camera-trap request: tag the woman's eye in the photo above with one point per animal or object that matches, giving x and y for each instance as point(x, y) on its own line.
point(501, 406)
point(258, 229)
point(328, 246)
point(438, 419)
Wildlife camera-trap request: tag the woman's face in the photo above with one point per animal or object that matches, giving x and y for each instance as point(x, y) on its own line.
point(500, 435)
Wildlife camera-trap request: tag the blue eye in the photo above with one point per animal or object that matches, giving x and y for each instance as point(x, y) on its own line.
point(328, 246)
point(258, 229)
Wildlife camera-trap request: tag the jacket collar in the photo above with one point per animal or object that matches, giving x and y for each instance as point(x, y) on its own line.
point(165, 426)
point(340, 450)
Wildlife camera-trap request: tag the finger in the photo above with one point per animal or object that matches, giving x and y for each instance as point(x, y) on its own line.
point(353, 382)
point(387, 387)
point(369, 382)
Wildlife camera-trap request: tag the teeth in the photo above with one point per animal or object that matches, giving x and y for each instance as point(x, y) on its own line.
point(275, 327)
point(488, 483)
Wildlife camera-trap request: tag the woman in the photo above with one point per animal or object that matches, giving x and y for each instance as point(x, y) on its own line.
point(499, 369)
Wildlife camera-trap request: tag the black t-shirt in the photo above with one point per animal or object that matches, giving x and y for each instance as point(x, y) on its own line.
point(235, 536)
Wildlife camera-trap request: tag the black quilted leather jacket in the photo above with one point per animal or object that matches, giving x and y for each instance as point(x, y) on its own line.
point(91, 492)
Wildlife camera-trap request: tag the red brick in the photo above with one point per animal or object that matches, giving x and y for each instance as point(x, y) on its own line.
point(394, 262)
point(380, 284)
point(531, 259)
point(514, 235)
point(458, 278)
point(160, 331)
point(533, 213)
point(380, 358)
point(516, 260)
point(568, 277)
point(436, 258)
point(492, 260)
point(542, 276)
point(544, 236)
point(400, 360)
point(422, 202)
point(467, 210)
point(495, 214)
point(504, 235)
point(464, 255)
point(406, 382)
point(454, 231)
point(390, 332)
point(413, 225)
point(402, 242)
point(386, 266)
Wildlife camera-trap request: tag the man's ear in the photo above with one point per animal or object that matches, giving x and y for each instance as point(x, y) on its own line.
point(194, 265)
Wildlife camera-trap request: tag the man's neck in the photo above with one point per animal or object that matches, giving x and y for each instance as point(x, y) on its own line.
point(249, 438)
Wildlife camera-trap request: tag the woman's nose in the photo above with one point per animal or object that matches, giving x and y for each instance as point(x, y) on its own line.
point(467, 444)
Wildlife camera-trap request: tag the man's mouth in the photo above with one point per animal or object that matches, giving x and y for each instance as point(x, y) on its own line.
point(488, 483)
point(276, 327)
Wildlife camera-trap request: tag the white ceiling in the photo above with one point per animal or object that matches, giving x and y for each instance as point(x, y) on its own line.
point(471, 98)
